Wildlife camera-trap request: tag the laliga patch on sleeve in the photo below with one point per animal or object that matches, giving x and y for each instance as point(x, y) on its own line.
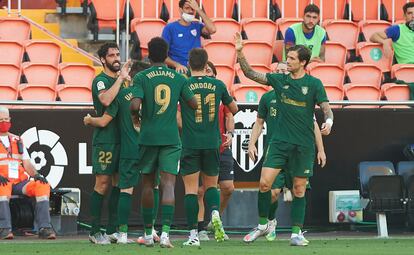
point(100, 85)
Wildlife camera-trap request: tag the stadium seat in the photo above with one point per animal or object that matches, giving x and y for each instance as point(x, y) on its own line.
point(373, 53)
point(75, 74)
point(364, 73)
point(367, 169)
point(246, 81)
point(362, 92)
point(292, 9)
point(342, 31)
point(258, 53)
point(406, 170)
point(329, 74)
point(145, 30)
point(11, 52)
point(148, 10)
point(395, 92)
point(74, 94)
point(283, 24)
point(328, 8)
point(335, 93)
point(173, 9)
point(395, 12)
point(403, 72)
point(225, 29)
point(9, 81)
point(335, 53)
point(218, 8)
point(14, 29)
point(103, 15)
point(225, 74)
point(43, 52)
point(364, 9)
point(248, 93)
point(215, 51)
point(386, 194)
point(253, 8)
point(41, 84)
point(368, 27)
point(260, 30)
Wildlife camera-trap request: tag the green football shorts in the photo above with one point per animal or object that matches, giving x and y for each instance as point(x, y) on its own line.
point(159, 158)
point(204, 160)
point(105, 158)
point(129, 174)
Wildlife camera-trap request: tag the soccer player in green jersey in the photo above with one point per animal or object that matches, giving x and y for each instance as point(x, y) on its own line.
point(201, 141)
point(128, 171)
point(297, 94)
point(105, 143)
point(158, 90)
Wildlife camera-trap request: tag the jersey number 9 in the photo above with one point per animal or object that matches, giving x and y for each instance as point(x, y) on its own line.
point(162, 97)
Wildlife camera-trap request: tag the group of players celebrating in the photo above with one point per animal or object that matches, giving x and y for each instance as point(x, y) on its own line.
point(136, 131)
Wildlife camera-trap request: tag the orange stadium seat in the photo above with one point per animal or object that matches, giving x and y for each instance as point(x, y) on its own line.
point(260, 30)
point(225, 74)
point(246, 81)
point(41, 74)
point(11, 52)
point(373, 53)
point(364, 9)
point(278, 49)
point(74, 94)
point(248, 93)
point(369, 27)
point(335, 53)
point(258, 53)
point(225, 29)
point(9, 81)
point(362, 92)
point(149, 9)
point(76, 74)
point(222, 9)
point(364, 73)
point(221, 53)
point(253, 8)
point(396, 10)
point(14, 29)
point(289, 9)
point(342, 31)
point(395, 92)
point(403, 72)
point(329, 74)
point(106, 12)
point(173, 8)
point(146, 29)
point(284, 23)
point(328, 8)
point(44, 52)
point(335, 93)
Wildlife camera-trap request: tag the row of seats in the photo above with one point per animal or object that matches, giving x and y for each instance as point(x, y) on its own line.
point(43, 82)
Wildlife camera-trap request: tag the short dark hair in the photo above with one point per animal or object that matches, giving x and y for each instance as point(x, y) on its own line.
point(304, 54)
point(103, 50)
point(137, 67)
point(157, 50)
point(407, 5)
point(312, 8)
point(198, 59)
point(213, 68)
point(181, 3)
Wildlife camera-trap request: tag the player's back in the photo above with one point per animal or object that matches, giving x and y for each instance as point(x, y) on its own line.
point(200, 126)
point(161, 88)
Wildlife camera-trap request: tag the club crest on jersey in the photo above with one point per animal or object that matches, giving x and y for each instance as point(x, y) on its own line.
point(244, 121)
point(194, 32)
point(286, 87)
point(305, 90)
point(104, 166)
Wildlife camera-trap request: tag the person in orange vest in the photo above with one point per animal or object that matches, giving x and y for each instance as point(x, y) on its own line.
point(15, 167)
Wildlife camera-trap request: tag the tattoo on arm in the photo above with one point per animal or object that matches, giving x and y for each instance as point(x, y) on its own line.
point(249, 72)
point(327, 112)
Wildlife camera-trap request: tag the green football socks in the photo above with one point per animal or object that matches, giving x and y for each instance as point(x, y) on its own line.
point(272, 210)
point(148, 219)
point(124, 207)
point(156, 204)
point(167, 212)
point(191, 209)
point(113, 211)
point(263, 204)
point(298, 213)
point(212, 198)
point(96, 209)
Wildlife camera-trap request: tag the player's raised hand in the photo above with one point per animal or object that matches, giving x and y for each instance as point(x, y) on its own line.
point(321, 158)
point(238, 41)
point(87, 119)
point(326, 128)
point(124, 72)
point(194, 5)
point(229, 138)
point(252, 152)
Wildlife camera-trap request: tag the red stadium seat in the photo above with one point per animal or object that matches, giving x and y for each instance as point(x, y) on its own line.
point(248, 93)
point(362, 92)
point(284, 23)
point(246, 81)
point(43, 52)
point(222, 9)
point(146, 29)
point(342, 31)
point(335, 53)
point(364, 9)
point(369, 27)
point(373, 53)
point(11, 52)
point(329, 74)
point(106, 12)
point(364, 73)
point(395, 92)
point(225, 29)
point(9, 81)
point(215, 52)
point(258, 53)
point(148, 10)
point(289, 9)
point(41, 75)
point(225, 74)
point(77, 75)
point(74, 94)
point(328, 8)
point(253, 8)
point(260, 30)
point(335, 93)
point(403, 72)
point(14, 29)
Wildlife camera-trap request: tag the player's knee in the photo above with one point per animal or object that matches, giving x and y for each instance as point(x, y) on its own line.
point(102, 185)
point(264, 186)
point(299, 190)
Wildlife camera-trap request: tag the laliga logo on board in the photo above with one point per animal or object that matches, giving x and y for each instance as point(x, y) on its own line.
point(244, 121)
point(44, 148)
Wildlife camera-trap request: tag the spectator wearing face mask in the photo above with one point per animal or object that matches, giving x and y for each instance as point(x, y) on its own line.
point(184, 34)
point(399, 37)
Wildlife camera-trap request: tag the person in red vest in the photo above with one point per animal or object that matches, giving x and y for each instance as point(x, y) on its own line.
point(15, 169)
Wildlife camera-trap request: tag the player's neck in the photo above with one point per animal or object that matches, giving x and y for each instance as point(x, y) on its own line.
point(157, 64)
point(306, 30)
point(110, 73)
point(198, 73)
point(298, 74)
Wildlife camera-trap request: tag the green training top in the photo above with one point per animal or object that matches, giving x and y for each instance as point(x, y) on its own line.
point(268, 110)
point(404, 46)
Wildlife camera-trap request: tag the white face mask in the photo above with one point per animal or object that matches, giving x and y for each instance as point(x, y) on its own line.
point(187, 17)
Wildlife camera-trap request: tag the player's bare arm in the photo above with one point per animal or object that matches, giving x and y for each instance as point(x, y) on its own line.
point(209, 27)
point(107, 96)
point(328, 116)
point(245, 66)
point(135, 107)
point(256, 131)
point(233, 108)
point(321, 156)
point(229, 123)
point(101, 122)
